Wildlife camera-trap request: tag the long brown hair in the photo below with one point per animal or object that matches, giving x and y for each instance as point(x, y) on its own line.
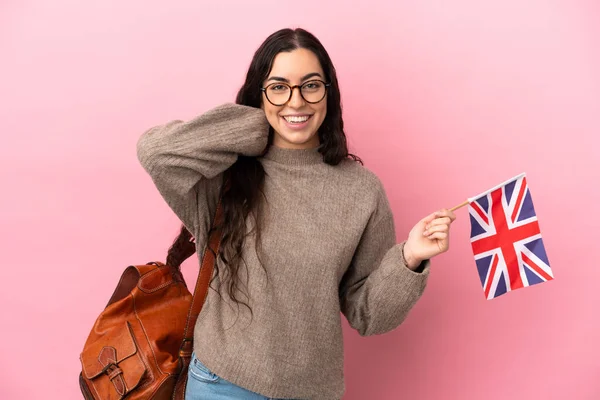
point(246, 176)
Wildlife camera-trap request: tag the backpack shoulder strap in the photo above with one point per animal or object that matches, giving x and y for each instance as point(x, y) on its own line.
point(211, 250)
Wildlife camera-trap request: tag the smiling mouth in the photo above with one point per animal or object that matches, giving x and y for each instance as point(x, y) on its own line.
point(297, 119)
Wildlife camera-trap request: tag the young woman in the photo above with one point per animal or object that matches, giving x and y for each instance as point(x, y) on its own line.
point(308, 231)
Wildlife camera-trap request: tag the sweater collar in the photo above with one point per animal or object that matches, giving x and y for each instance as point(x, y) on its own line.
point(294, 156)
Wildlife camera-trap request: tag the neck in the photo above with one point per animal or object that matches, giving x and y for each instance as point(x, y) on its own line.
point(294, 156)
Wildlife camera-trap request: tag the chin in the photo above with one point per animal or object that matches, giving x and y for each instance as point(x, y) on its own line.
point(300, 139)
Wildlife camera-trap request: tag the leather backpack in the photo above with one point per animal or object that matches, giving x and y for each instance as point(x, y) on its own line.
point(141, 344)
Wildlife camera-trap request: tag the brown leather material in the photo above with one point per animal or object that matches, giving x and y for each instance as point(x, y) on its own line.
point(85, 390)
point(165, 391)
point(179, 392)
point(141, 344)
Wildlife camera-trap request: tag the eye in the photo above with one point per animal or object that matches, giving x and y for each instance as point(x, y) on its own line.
point(312, 85)
point(278, 88)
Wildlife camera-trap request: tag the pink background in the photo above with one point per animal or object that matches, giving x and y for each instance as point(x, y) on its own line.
point(442, 100)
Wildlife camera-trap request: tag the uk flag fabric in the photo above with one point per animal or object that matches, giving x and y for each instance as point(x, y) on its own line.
point(506, 239)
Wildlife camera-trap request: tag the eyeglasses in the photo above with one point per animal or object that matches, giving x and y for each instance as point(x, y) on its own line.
point(312, 92)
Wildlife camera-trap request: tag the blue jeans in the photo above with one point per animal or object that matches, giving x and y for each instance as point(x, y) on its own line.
point(203, 384)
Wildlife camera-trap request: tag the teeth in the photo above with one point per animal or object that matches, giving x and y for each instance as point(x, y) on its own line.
point(296, 120)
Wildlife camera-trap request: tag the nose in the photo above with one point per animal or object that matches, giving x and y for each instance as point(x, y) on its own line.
point(297, 100)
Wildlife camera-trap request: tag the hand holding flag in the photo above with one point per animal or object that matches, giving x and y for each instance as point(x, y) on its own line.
point(428, 238)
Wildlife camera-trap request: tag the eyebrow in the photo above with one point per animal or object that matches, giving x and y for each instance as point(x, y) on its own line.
point(305, 77)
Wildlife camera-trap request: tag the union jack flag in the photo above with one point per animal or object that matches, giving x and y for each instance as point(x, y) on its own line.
point(506, 239)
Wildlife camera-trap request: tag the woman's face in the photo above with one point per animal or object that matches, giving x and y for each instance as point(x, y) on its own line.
point(297, 121)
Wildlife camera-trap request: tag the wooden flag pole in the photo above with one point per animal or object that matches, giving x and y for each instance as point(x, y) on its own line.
point(459, 206)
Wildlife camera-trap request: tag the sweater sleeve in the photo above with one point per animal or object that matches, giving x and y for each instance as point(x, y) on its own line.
point(185, 159)
point(378, 290)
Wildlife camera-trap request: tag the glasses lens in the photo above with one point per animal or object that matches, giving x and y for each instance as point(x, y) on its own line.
point(313, 91)
point(278, 93)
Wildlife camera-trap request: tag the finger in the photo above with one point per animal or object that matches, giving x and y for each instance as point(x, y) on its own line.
point(429, 218)
point(445, 213)
point(439, 221)
point(436, 228)
point(438, 236)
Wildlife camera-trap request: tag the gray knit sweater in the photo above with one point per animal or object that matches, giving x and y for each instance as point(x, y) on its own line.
point(328, 245)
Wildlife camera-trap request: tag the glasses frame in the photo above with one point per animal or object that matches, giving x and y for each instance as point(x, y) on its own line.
point(264, 90)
